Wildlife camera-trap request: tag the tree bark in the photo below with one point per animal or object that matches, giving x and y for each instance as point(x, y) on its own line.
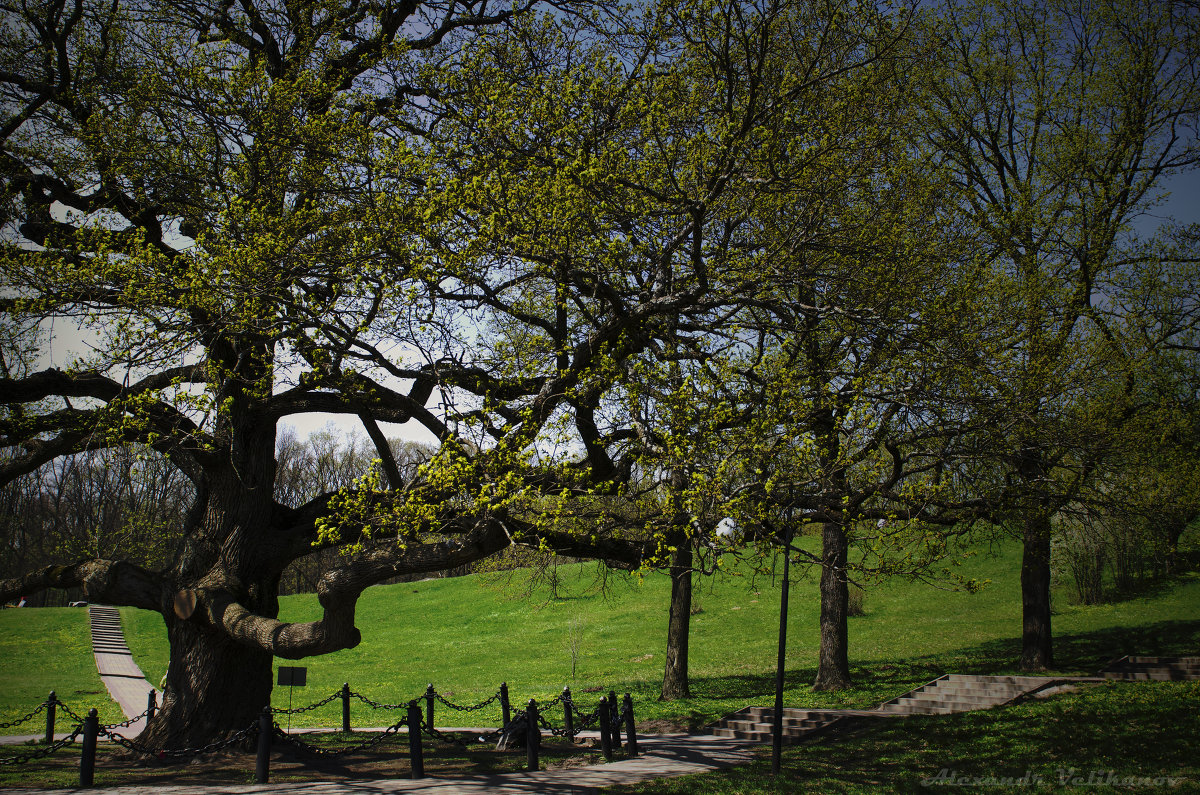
point(1037, 653)
point(833, 666)
point(675, 678)
point(215, 688)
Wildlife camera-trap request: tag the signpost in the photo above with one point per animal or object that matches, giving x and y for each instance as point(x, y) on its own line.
point(293, 676)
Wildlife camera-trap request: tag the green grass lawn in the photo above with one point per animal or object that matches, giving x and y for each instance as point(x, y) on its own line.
point(44, 649)
point(468, 634)
point(1113, 737)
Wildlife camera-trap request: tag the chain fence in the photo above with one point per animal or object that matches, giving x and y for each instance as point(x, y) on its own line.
point(42, 753)
point(246, 736)
point(309, 708)
point(39, 709)
point(313, 750)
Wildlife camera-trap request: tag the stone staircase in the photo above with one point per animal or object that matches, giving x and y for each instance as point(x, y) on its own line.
point(107, 635)
point(754, 724)
point(1157, 668)
point(944, 695)
point(962, 693)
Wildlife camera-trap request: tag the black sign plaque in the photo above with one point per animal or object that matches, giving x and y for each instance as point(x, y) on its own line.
point(295, 676)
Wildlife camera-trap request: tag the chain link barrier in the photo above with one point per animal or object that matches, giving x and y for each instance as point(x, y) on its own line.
point(584, 722)
point(63, 706)
point(309, 708)
point(314, 750)
point(460, 708)
point(449, 739)
point(126, 724)
point(43, 752)
point(40, 708)
point(376, 704)
point(180, 753)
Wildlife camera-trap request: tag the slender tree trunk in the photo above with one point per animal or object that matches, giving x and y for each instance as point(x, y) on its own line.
point(833, 666)
point(675, 678)
point(1037, 652)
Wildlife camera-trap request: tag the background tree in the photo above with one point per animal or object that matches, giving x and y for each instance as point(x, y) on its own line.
point(1062, 121)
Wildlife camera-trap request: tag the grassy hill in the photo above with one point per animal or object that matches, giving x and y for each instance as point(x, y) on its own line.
point(468, 634)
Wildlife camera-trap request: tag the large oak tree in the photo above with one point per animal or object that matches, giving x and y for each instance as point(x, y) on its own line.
point(396, 211)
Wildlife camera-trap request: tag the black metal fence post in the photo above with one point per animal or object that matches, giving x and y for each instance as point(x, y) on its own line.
point(415, 760)
point(568, 714)
point(630, 730)
point(533, 737)
point(51, 706)
point(266, 731)
point(345, 706)
point(605, 732)
point(87, 762)
point(151, 705)
point(430, 695)
point(504, 706)
point(614, 719)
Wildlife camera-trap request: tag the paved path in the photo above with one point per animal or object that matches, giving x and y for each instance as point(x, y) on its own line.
point(661, 755)
point(120, 674)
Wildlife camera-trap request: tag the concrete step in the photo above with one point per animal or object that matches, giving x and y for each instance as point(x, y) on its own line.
point(755, 724)
point(764, 736)
point(1153, 675)
point(969, 693)
point(767, 713)
point(1163, 669)
point(941, 704)
point(909, 709)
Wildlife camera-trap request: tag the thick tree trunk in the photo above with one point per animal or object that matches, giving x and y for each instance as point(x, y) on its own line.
point(215, 688)
point(1036, 641)
point(675, 678)
point(833, 666)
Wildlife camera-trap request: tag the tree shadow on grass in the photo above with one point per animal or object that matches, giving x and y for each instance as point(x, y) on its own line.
point(875, 681)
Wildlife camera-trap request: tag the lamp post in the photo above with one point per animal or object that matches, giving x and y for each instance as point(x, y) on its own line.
point(777, 717)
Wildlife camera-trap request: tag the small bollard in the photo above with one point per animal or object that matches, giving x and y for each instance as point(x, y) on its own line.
point(151, 705)
point(614, 722)
point(51, 707)
point(415, 760)
point(568, 714)
point(262, 764)
point(630, 731)
point(533, 737)
point(605, 731)
point(87, 762)
point(504, 706)
point(430, 695)
point(345, 706)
